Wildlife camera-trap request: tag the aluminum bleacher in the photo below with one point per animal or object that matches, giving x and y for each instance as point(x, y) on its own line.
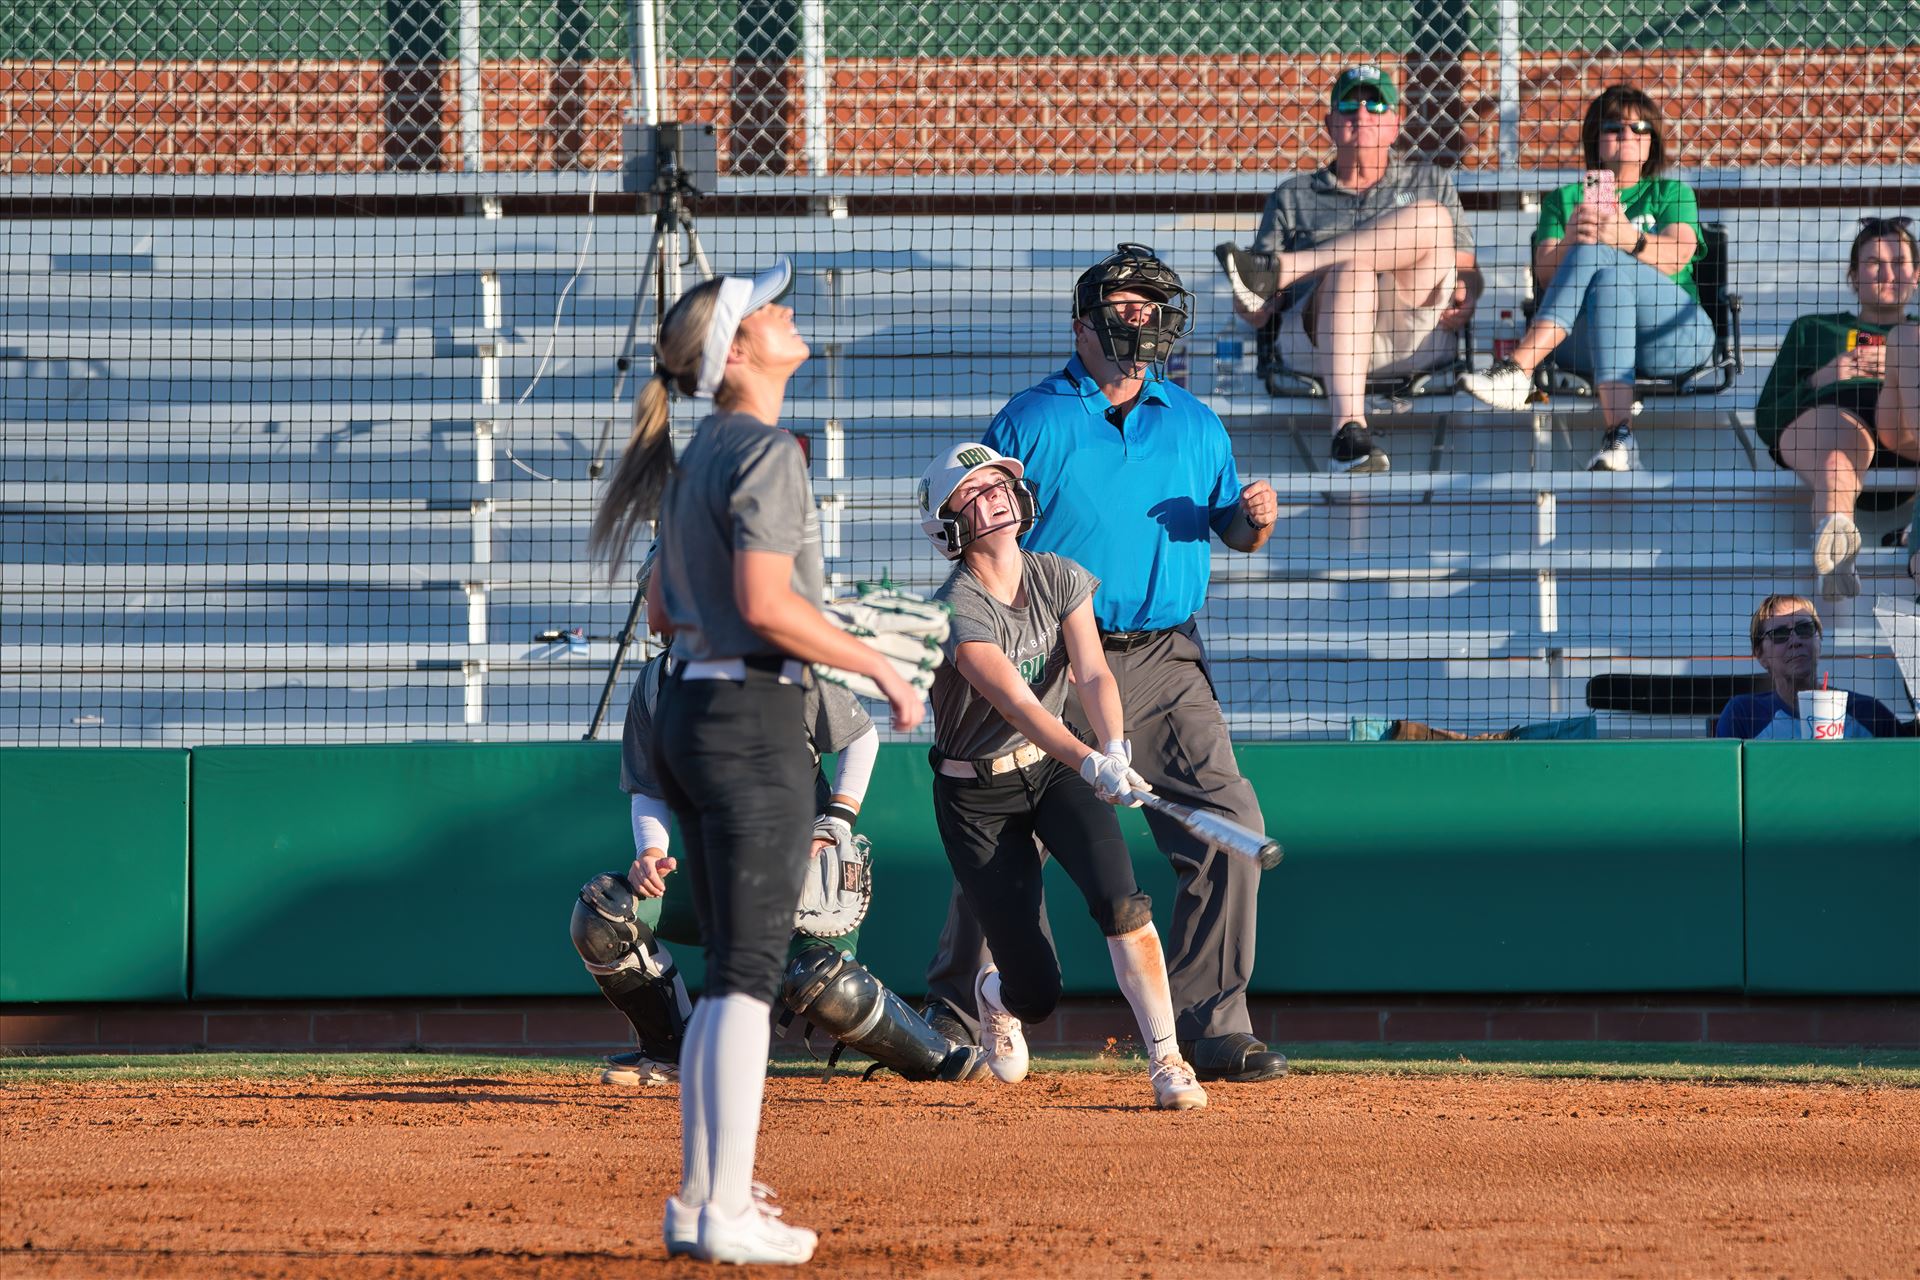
point(328, 480)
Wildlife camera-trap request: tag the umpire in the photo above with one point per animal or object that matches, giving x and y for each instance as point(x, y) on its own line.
point(1134, 476)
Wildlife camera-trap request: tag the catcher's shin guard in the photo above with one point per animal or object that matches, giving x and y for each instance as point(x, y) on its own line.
point(634, 971)
point(836, 993)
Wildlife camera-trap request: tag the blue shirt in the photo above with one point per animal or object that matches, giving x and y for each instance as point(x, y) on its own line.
point(1751, 714)
point(1135, 504)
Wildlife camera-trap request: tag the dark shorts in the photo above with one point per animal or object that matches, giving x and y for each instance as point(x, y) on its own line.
point(1863, 402)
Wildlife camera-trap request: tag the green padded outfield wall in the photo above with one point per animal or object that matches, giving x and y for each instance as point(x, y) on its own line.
point(1833, 867)
point(1489, 867)
point(449, 870)
point(425, 870)
point(93, 874)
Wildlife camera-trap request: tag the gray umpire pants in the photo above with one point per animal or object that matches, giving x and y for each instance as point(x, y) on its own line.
point(1180, 745)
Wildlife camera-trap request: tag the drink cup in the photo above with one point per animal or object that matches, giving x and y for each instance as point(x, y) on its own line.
point(1823, 712)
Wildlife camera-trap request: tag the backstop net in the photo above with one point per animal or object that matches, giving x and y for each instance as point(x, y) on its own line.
point(320, 322)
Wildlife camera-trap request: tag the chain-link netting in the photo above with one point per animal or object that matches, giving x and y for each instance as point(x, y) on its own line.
point(319, 318)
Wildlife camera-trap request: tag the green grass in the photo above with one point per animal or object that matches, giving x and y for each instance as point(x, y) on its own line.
point(1694, 1063)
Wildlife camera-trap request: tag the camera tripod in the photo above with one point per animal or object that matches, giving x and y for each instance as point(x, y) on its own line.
point(673, 188)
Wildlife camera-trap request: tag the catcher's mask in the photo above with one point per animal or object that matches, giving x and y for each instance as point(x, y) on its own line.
point(1133, 268)
point(951, 530)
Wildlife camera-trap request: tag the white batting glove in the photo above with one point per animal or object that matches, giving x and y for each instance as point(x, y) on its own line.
point(831, 829)
point(1113, 779)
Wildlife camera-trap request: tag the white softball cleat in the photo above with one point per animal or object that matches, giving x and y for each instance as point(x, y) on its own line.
point(755, 1236)
point(1175, 1086)
point(1000, 1035)
point(681, 1230)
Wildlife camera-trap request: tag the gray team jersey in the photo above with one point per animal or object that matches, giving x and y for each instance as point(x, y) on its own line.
point(1312, 208)
point(965, 725)
point(834, 718)
point(741, 486)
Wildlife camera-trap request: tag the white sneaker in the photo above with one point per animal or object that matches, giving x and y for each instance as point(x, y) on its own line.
point(1505, 386)
point(682, 1227)
point(1836, 547)
point(1000, 1033)
point(1175, 1086)
point(1618, 452)
point(635, 1069)
point(757, 1235)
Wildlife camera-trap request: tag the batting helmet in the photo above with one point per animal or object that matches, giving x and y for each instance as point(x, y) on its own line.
point(1133, 268)
point(951, 531)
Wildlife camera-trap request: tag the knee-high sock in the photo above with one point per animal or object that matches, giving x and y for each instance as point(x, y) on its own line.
point(1141, 968)
point(734, 1067)
point(696, 1169)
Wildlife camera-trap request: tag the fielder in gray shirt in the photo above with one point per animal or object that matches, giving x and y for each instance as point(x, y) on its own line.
point(741, 486)
point(965, 724)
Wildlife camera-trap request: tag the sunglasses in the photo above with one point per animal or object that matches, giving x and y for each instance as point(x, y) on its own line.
point(1638, 128)
point(1805, 630)
point(1353, 106)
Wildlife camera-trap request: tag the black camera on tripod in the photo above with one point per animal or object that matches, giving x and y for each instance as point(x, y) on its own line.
point(671, 157)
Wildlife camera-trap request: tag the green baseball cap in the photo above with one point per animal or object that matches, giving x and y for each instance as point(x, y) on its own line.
point(1365, 76)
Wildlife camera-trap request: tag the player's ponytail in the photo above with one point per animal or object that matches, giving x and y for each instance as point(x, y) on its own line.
point(634, 489)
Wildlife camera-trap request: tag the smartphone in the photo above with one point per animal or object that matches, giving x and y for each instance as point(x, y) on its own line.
point(1600, 189)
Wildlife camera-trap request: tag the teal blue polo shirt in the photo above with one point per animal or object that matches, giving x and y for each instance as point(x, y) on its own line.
point(1135, 503)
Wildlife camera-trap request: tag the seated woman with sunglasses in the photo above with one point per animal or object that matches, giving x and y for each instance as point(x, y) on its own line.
point(1620, 297)
point(1844, 395)
point(1786, 640)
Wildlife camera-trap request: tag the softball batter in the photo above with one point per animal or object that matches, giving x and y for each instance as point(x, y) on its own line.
point(1005, 766)
point(735, 584)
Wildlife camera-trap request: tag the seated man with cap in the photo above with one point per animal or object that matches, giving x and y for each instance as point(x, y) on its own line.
point(1371, 259)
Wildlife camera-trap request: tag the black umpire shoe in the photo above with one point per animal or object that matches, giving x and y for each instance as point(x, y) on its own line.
point(1354, 450)
point(1236, 1057)
point(941, 1017)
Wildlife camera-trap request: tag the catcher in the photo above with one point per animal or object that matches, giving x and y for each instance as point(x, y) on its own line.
point(618, 921)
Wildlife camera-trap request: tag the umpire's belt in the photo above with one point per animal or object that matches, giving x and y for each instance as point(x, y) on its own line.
point(1123, 641)
point(787, 670)
point(1019, 758)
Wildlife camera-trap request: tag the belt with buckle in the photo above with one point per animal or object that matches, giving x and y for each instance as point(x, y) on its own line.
point(1122, 641)
point(786, 670)
point(1020, 757)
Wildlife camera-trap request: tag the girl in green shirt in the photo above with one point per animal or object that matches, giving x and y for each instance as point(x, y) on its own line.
point(1841, 396)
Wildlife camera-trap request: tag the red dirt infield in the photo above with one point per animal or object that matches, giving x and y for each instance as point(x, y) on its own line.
point(1066, 1175)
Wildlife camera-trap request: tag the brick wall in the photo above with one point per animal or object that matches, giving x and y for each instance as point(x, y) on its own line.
point(904, 118)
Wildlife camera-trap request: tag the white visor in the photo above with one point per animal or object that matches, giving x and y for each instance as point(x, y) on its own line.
point(738, 298)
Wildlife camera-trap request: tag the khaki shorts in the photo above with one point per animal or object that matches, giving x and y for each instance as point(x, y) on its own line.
point(1405, 339)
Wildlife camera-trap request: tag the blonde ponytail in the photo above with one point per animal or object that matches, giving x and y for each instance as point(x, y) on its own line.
point(634, 489)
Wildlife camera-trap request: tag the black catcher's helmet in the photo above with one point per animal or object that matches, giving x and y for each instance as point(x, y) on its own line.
point(1134, 267)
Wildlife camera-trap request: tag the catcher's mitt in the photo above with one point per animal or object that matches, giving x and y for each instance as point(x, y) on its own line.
point(907, 630)
point(839, 885)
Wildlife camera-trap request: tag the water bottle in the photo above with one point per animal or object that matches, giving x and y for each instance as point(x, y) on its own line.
point(1229, 350)
point(1506, 336)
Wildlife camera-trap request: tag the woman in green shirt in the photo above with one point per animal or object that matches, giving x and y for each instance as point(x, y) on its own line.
point(1841, 395)
point(1620, 297)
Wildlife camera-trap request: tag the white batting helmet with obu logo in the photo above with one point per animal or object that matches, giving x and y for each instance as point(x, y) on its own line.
point(951, 531)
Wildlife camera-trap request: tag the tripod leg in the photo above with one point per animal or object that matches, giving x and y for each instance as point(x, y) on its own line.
point(623, 364)
point(619, 658)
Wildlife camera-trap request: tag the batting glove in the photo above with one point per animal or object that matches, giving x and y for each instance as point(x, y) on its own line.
point(1113, 779)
